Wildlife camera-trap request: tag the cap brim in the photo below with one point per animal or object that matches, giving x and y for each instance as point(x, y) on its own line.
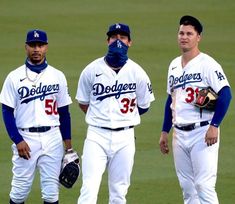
point(35, 41)
point(117, 32)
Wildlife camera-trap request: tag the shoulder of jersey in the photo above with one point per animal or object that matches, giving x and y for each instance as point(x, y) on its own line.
point(208, 59)
point(95, 63)
point(54, 70)
point(175, 63)
point(133, 65)
point(18, 71)
point(176, 60)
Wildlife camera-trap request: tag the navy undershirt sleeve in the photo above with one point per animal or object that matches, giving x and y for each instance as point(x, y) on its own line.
point(222, 104)
point(142, 110)
point(167, 122)
point(10, 123)
point(65, 122)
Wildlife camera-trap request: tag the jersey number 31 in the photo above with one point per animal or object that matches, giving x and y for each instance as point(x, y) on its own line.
point(191, 94)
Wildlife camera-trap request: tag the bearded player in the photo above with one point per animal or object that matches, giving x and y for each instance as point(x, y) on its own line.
point(113, 91)
point(196, 130)
point(35, 108)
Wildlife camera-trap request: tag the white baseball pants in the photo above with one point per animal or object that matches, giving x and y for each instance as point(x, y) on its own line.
point(113, 150)
point(46, 155)
point(196, 166)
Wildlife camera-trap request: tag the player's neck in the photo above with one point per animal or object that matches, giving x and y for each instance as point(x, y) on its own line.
point(116, 69)
point(36, 67)
point(188, 56)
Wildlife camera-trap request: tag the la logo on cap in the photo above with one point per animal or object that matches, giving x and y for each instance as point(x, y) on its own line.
point(118, 26)
point(36, 35)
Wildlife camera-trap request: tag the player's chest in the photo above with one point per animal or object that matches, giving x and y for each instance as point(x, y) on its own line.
point(109, 78)
point(182, 77)
point(107, 85)
point(44, 87)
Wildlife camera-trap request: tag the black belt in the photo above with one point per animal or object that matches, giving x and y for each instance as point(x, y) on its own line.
point(37, 129)
point(192, 126)
point(118, 129)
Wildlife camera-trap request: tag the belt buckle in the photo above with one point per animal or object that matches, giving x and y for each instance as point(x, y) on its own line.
point(117, 129)
point(128, 127)
point(39, 129)
point(204, 123)
point(45, 128)
point(186, 127)
point(193, 126)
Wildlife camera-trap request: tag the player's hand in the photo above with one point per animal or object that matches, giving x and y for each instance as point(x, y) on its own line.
point(23, 150)
point(163, 143)
point(211, 135)
point(84, 107)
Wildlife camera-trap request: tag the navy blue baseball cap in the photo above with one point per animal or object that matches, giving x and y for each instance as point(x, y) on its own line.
point(119, 28)
point(36, 36)
point(190, 20)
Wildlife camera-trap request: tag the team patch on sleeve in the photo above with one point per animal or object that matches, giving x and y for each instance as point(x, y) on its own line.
point(220, 75)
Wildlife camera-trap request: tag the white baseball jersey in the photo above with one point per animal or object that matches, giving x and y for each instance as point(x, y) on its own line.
point(112, 97)
point(35, 97)
point(183, 84)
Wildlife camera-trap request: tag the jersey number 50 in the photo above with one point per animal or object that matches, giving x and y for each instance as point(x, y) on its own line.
point(51, 107)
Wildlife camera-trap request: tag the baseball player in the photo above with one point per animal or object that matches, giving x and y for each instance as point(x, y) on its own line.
point(113, 91)
point(35, 108)
point(196, 131)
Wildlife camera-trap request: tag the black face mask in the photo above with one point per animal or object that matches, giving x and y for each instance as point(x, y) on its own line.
point(117, 54)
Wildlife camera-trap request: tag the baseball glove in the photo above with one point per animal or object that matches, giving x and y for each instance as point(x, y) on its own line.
point(206, 99)
point(70, 169)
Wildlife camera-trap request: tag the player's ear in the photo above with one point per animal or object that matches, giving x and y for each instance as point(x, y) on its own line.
point(129, 43)
point(46, 47)
point(26, 48)
point(199, 37)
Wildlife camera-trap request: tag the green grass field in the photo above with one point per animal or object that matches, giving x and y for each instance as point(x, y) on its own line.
point(76, 31)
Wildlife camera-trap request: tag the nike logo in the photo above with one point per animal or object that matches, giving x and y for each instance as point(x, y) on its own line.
point(22, 79)
point(97, 75)
point(173, 68)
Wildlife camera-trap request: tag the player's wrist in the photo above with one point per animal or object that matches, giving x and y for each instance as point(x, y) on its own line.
point(214, 125)
point(69, 150)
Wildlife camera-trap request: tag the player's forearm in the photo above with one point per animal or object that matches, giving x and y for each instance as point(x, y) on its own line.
point(65, 122)
point(167, 123)
point(9, 120)
point(142, 110)
point(222, 105)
